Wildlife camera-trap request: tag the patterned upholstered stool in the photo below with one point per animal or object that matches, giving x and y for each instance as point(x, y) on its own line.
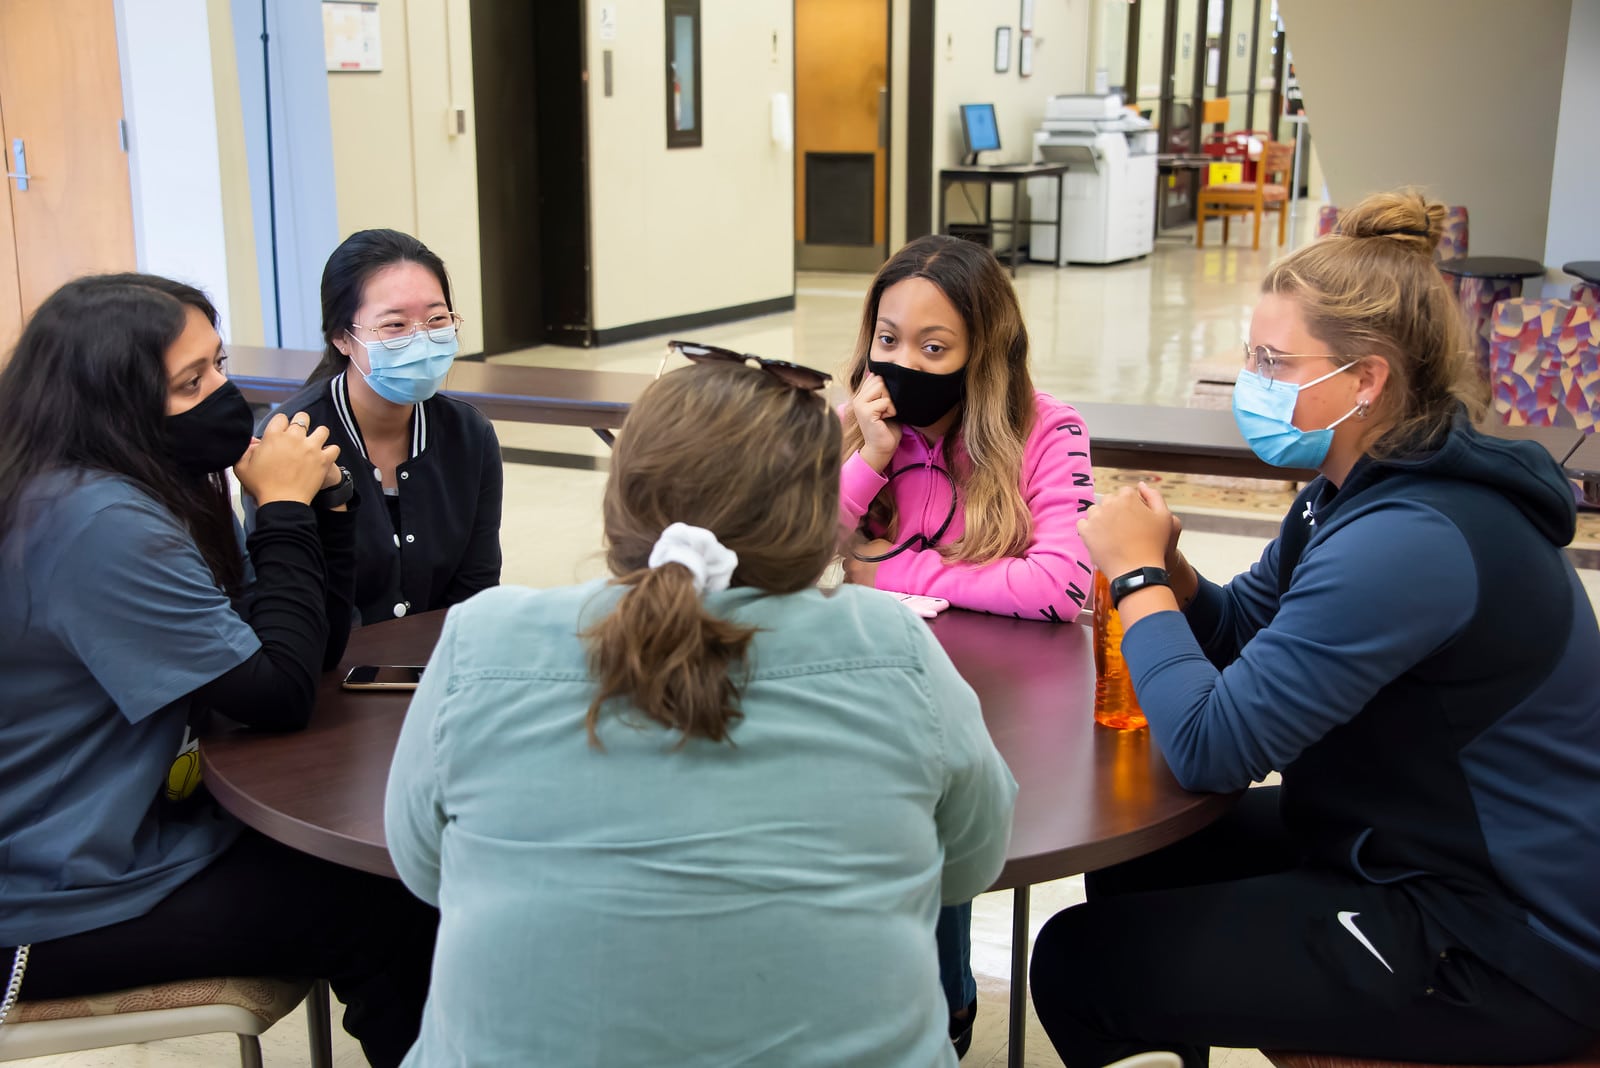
point(1587, 272)
point(245, 1006)
point(1483, 282)
point(1453, 242)
point(1327, 219)
point(1478, 297)
point(1544, 363)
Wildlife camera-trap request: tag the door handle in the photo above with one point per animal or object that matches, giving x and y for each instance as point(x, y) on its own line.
point(19, 160)
point(883, 116)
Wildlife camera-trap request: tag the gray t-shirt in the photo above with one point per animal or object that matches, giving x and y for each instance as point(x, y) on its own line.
point(109, 617)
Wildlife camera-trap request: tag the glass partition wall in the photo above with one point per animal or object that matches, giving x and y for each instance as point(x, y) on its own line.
point(1194, 68)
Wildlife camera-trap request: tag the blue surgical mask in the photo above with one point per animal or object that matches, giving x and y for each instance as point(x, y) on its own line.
point(412, 374)
point(1263, 410)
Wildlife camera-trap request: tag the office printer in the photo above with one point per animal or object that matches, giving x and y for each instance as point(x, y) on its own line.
point(1108, 197)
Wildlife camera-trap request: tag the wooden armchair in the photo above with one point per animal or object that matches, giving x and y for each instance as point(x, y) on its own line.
point(1269, 192)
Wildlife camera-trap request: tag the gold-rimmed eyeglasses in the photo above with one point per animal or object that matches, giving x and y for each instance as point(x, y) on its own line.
point(790, 374)
point(397, 333)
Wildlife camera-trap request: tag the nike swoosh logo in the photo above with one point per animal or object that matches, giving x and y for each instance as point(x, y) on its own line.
point(1347, 920)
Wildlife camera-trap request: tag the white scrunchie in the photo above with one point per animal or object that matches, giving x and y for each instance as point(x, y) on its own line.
point(696, 548)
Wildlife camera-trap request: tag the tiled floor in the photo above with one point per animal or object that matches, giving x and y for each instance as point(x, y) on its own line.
point(1132, 332)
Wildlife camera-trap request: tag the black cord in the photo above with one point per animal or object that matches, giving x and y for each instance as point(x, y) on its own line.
point(272, 194)
point(1575, 446)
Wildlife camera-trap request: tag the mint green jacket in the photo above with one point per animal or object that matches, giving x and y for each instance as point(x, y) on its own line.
point(770, 901)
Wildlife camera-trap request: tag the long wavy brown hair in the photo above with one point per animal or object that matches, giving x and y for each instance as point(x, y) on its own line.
point(998, 411)
point(1371, 288)
point(734, 450)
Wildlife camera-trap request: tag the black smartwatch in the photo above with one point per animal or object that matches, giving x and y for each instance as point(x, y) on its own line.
point(1138, 579)
point(337, 494)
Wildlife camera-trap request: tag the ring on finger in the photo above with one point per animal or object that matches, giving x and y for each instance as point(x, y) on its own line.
point(303, 424)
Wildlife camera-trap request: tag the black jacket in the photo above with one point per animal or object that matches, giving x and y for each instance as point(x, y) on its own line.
point(447, 546)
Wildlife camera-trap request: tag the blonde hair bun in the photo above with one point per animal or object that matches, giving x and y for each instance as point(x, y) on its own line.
point(1407, 218)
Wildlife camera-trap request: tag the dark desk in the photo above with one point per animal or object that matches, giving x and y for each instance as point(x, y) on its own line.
point(1588, 270)
point(1012, 174)
point(554, 395)
point(1197, 441)
point(1089, 797)
point(1204, 441)
point(1497, 267)
point(1193, 441)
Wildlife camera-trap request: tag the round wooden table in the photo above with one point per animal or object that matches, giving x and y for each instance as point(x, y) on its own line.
point(1088, 796)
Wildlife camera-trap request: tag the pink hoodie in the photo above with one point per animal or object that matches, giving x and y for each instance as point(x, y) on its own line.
point(1051, 580)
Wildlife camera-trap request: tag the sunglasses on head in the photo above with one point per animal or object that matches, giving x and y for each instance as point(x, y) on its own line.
point(790, 374)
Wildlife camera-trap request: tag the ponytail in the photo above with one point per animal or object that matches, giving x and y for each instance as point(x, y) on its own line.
point(664, 653)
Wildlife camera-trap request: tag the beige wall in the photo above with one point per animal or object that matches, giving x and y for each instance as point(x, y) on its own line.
point(396, 161)
point(1408, 111)
point(686, 230)
point(963, 73)
point(238, 228)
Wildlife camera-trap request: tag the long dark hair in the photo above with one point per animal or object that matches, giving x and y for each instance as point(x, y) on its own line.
point(86, 390)
point(344, 281)
point(998, 411)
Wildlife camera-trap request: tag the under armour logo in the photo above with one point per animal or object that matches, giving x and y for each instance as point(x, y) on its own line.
point(1310, 519)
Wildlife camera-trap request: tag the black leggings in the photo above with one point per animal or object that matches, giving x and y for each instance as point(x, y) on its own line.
point(1226, 939)
point(264, 909)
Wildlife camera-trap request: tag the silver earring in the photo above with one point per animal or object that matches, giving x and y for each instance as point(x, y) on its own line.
point(1362, 408)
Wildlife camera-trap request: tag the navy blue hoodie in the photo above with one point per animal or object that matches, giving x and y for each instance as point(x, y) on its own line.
point(1416, 655)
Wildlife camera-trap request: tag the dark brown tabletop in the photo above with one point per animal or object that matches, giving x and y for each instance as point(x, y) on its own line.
point(1089, 796)
point(1001, 172)
point(1588, 270)
point(1196, 441)
point(555, 395)
point(1492, 267)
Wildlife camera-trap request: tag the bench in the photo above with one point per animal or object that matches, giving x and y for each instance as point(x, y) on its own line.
point(552, 395)
point(1196, 441)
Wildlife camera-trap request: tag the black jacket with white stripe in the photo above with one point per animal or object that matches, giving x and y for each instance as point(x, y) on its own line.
point(447, 545)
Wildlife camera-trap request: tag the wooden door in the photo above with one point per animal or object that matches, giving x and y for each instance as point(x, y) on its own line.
point(841, 129)
point(61, 97)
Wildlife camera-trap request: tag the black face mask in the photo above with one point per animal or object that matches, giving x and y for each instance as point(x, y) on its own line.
point(920, 398)
point(214, 434)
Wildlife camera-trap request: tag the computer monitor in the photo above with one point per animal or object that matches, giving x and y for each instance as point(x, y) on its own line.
point(979, 130)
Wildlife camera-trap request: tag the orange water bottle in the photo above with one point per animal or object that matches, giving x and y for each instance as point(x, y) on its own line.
point(1115, 704)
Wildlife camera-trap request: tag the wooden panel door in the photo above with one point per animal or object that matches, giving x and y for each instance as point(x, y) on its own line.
point(841, 61)
point(61, 96)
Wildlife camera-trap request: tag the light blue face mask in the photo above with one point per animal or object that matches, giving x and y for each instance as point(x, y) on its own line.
point(1264, 412)
point(412, 374)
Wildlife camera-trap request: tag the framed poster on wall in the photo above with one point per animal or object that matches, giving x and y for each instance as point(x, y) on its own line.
point(351, 36)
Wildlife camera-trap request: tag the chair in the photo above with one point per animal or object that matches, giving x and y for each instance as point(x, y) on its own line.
point(1544, 363)
point(1453, 241)
point(1269, 192)
point(245, 1006)
point(1327, 219)
point(1590, 1058)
